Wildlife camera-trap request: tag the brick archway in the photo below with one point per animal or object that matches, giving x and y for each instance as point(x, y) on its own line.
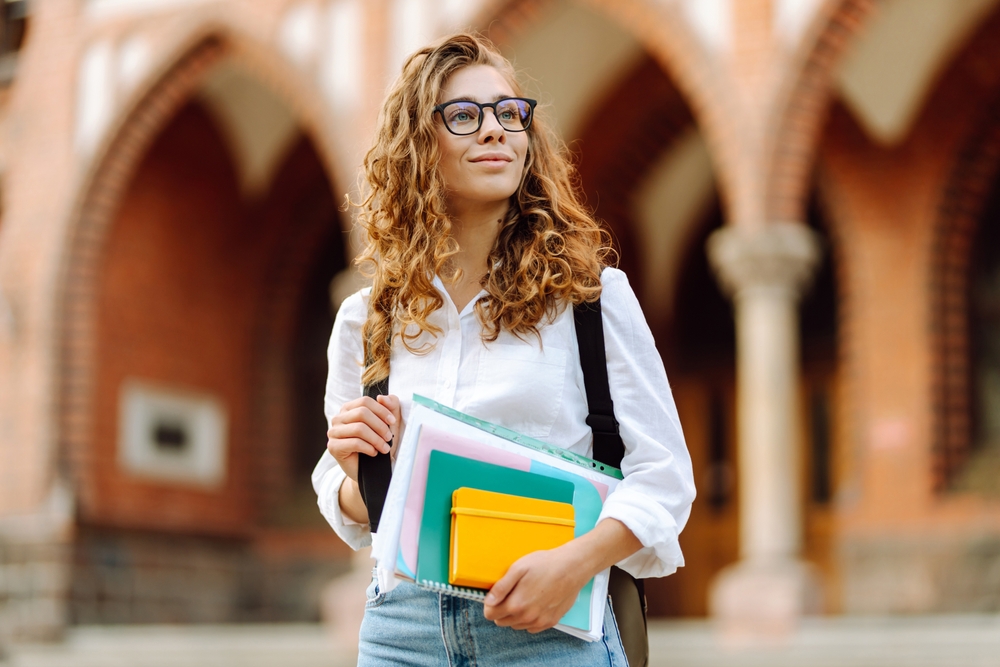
point(140, 121)
point(971, 181)
point(958, 132)
point(652, 116)
point(801, 106)
point(666, 36)
point(965, 196)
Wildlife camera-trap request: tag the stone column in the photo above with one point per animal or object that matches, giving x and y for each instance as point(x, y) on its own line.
point(36, 569)
point(765, 272)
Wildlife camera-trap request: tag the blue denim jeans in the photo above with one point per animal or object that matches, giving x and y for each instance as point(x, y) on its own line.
point(412, 626)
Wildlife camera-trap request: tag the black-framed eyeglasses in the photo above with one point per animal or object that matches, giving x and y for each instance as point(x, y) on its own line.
point(463, 117)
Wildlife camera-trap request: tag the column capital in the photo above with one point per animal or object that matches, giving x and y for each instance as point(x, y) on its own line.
point(781, 256)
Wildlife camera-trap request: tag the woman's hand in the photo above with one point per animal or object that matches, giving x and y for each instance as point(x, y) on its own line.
point(540, 588)
point(363, 426)
point(537, 591)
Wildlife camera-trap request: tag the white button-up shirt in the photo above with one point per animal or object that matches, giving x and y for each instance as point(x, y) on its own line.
point(536, 387)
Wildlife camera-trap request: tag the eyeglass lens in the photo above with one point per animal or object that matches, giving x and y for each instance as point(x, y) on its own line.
point(464, 117)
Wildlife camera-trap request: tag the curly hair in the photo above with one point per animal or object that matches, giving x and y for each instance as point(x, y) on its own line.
point(549, 251)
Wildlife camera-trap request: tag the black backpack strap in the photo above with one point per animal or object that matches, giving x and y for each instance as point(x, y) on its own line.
point(374, 472)
point(608, 446)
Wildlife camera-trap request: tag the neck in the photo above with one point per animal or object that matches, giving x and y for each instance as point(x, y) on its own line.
point(475, 230)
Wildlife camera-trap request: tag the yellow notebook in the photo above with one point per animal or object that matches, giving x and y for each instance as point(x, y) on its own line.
point(489, 531)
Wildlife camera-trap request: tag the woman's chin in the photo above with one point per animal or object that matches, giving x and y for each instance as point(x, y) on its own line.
point(481, 198)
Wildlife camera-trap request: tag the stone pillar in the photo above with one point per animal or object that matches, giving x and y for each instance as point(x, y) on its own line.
point(765, 273)
point(342, 601)
point(35, 570)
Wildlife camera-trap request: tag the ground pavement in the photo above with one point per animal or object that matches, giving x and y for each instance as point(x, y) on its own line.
point(918, 641)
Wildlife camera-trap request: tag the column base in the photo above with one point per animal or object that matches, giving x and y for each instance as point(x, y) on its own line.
point(36, 556)
point(342, 601)
point(763, 601)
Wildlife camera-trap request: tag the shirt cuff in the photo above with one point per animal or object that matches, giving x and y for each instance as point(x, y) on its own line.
point(327, 478)
point(653, 526)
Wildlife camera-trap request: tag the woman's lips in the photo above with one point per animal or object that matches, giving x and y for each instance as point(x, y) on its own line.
point(493, 158)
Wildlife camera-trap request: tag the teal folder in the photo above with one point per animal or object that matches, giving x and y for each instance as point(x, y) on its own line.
point(447, 472)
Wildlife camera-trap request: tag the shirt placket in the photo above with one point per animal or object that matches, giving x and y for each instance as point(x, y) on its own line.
point(451, 357)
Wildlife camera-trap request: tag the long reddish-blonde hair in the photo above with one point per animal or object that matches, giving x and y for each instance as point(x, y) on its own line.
point(550, 250)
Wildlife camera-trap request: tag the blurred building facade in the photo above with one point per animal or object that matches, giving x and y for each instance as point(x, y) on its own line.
point(804, 194)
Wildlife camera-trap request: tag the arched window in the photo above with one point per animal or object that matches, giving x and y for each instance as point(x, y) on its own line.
point(976, 362)
point(983, 472)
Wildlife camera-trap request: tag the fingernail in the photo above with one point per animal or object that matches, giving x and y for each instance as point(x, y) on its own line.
point(392, 418)
point(489, 598)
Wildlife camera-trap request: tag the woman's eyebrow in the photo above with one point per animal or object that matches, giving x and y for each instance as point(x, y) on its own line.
point(467, 98)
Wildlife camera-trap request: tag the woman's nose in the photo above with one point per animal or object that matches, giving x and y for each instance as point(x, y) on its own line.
point(491, 127)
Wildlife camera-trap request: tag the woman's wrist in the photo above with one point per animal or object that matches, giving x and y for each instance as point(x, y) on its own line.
point(351, 503)
point(608, 543)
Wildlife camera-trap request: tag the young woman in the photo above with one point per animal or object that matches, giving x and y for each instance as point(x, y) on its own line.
point(478, 246)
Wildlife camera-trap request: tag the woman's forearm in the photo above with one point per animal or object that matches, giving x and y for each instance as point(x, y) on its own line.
point(608, 543)
point(351, 503)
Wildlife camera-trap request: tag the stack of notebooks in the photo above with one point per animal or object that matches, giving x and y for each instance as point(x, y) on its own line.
point(468, 498)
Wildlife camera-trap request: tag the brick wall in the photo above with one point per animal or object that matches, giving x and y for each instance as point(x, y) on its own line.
point(900, 213)
point(176, 308)
point(142, 577)
point(100, 256)
point(202, 290)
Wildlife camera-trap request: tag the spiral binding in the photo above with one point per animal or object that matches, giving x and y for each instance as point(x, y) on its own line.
point(457, 591)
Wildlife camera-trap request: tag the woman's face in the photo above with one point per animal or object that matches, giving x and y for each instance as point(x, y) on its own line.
point(484, 167)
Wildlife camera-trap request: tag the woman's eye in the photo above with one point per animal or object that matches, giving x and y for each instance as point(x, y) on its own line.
point(462, 116)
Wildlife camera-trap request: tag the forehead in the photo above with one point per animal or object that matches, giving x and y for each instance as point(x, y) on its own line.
point(481, 83)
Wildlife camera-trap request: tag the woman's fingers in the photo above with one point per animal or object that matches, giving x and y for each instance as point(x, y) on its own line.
point(363, 426)
point(344, 447)
point(359, 431)
point(380, 420)
point(372, 404)
point(365, 419)
point(391, 402)
point(378, 407)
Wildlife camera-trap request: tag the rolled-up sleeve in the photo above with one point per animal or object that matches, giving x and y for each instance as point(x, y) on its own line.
point(654, 500)
point(343, 384)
